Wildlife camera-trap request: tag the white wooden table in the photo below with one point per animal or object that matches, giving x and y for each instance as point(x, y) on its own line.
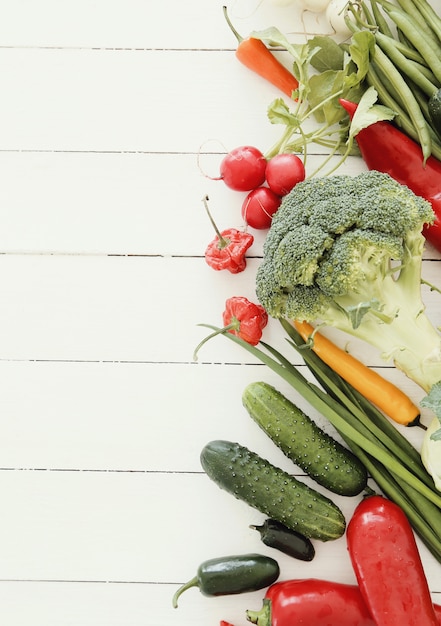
point(104, 108)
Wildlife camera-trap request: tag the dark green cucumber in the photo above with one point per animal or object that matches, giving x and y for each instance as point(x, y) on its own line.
point(318, 454)
point(272, 491)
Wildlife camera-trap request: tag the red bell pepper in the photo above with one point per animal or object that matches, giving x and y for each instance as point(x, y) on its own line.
point(387, 149)
point(387, 565)
point(314, 602)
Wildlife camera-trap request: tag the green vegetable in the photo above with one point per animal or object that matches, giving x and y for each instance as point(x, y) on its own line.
point(231, 575)
point(390, 459)
point(272, 491)
point(434, 108)
point(346, 251)
point(278, 536)
point(322, 457)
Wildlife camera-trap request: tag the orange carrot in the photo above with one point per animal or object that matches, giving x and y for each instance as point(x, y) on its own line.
point(254, 54)
point(386, 396)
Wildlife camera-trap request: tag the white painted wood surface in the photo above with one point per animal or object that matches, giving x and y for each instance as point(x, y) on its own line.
point(105, 510)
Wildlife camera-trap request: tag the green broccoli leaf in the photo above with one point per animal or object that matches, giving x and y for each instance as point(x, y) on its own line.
point(433, 401)
point(356, 313)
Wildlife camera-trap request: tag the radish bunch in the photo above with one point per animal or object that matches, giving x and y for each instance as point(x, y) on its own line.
point(246, 169)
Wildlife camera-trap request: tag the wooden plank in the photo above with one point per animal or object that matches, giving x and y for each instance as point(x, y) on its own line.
point(112, 416)
point(104, 100)
point(128, 309)
point(140, 24)
point(117, 203)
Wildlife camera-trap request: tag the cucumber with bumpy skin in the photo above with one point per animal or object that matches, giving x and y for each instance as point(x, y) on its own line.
point(272, 491)
point(318, 454)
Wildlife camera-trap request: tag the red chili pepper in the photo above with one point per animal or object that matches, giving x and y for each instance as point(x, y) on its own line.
point(387, 565)
point(245, 319)
point(387, 149)
point(254, 54)
point(314, 602)
point(228, 249)
point(224, 623)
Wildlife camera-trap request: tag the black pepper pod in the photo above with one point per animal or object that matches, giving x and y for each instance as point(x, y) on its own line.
point(278, 536)
point(231, 575)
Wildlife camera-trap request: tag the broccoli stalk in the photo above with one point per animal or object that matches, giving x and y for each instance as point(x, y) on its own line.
point(346, 252)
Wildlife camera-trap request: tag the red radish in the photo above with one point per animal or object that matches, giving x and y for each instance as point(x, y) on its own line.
point(283, 172)
point(259, 207)
point(243, 168)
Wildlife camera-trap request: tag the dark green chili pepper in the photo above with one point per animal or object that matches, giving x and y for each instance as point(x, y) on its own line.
point(232, 574)
point(278, 536)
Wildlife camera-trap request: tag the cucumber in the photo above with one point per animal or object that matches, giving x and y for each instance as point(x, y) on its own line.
point(319, 455)
point(272, 491)
point(434, 108)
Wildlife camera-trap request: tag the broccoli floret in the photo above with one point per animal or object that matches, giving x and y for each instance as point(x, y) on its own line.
point(346, 251)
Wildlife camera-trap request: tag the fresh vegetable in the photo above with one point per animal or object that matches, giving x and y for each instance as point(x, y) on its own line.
point(283, 172)
point(431, 446)
point(393, 463)
point(336, 12)
point(224, 623)
point(319, 455)
point(231, 575)
point(245, 319)
point(228, 249)
point(315, 602)
point(312, 602)
point(259, 207)
point(388, 566)
point(385, 148)
point(374, 387)
point(272, 491)
point(241, 318)
point(347, 250)
point(434, 109)
point(243, 168)
point(278, 536)
point(254, 54)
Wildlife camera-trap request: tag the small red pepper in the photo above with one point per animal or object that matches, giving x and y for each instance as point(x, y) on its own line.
point(224, 623)
point(314, 602)
point(387, 149)
point(241, 318)
point(228, 249)
point(387, 565)
point(254, 54)
point(245, 319)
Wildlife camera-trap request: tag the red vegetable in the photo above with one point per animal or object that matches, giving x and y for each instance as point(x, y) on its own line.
point(387, 564)
point(259, 207)
point(283, 172)
point(313, 602)
point(245, 319)
point(387, 149)
point(224, 623)
point(228, 249)
point(254, 54)
point(243, 168)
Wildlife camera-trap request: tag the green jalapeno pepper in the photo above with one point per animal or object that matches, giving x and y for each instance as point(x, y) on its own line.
point(232, 574)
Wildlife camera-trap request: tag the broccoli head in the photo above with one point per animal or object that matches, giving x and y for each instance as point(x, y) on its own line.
point(346, 251)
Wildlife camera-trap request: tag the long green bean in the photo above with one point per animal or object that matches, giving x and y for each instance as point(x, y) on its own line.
point(428, 48)
point(402, 63)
